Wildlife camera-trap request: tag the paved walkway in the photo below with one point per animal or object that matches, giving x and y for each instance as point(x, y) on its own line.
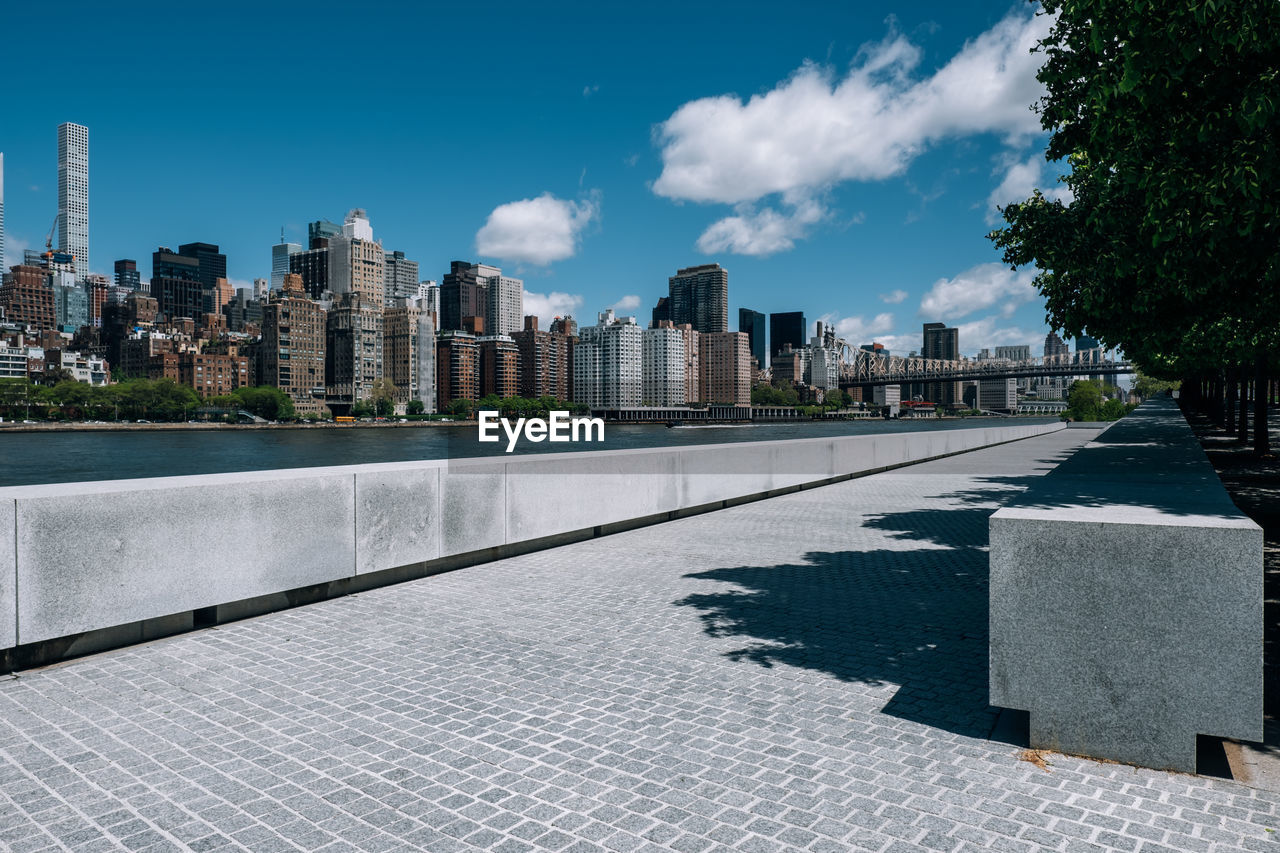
point(803, 673)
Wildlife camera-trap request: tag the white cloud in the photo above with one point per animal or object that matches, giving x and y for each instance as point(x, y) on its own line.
point(588, 91)
point(812, 130)
point(14, 246)
point(978, 288)
point(893, 297)
point(986, 333)
point(537, 230)
point(1020, 178)
point(763, 232)
point(629, 302)
point(547, 306)
point(857, 330)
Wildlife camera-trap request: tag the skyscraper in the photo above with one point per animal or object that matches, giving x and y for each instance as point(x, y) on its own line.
point(700, 296)
point(941, 342)
point(786, 328)
point(280, 253)
point(73, 192)
point(752, 323)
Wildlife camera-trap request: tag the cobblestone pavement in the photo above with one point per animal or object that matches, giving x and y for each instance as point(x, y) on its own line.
point(803, 673)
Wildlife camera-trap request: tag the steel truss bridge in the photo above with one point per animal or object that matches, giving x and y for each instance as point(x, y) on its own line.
point(859, 367)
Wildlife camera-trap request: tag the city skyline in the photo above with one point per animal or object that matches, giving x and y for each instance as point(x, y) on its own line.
point(589, 192)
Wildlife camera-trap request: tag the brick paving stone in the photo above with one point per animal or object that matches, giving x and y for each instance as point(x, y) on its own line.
point(803, 673)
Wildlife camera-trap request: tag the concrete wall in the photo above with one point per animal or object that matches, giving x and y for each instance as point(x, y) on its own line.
point(161, 555)
point(1126, 600)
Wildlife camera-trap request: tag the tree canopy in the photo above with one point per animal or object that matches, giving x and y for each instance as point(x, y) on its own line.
point(1166, 113)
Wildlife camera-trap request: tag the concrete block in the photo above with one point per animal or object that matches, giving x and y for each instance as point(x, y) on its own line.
point(563, 492)
point(397, 521)
point(94, 555)
point(472, 505)
point(8, 575)
point(1126, 602)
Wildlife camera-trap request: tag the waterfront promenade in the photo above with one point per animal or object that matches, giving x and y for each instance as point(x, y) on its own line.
point(806, 672)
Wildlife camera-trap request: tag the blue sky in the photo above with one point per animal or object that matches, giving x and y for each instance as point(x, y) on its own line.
point(840, 159)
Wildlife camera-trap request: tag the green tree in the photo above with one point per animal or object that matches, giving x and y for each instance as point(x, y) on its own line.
point(461, 408)
point(1167, 115)
point(1148, 386)
point(1084, 401)
point(415, 407)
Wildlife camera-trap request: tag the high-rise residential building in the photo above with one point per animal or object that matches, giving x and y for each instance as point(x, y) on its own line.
point(726, 368)
point(96, 287)
point(294, 336)
point(481, 290)
point(280, 253)
point(356, 261)
point(409, 353)
point(499, 366)
point(462, 295)
point(692, 339)
point(752, 324)
point(544, 362)
point(942, 342)
point(1, 210)
point(699, 296)
point(504, 309)
point(27, 297)
point(73, 192)
point(70, 303)
point(127, 274)
point(788, 327)
point(353, 349)
point(400, 278)
point(457, 368)
point(262, 289)
point(607, 363)
point(565, 325)
point(429, 292)
point(662, 366)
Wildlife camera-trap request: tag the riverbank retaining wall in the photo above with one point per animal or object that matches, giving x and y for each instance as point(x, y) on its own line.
point(87, 566)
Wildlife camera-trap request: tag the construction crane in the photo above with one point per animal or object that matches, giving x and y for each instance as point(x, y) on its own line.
point(48, 240)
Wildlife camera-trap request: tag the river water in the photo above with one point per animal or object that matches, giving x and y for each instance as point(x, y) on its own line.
point(65, 457)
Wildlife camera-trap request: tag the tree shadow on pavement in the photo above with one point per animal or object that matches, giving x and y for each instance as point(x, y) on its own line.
point(915, 617)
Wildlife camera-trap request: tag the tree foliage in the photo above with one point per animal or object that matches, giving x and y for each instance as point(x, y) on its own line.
point(1167, 115)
